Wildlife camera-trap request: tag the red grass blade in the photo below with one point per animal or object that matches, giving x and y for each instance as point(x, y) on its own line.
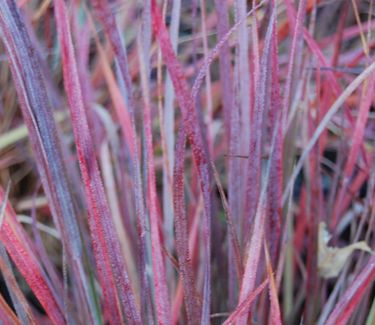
point(106, 16)
point(113, 276)
point(352, 296)
point(19, 301)
point(191, 124)
point(295, 55)
point(38, 117)
point(15, 242)
point(358, 133)
point(7, 316)
point(257, 208)
point(275, 307)
point(245, 305)
point(325, 120)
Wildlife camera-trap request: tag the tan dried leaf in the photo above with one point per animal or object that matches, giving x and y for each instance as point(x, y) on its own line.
point(331, 260)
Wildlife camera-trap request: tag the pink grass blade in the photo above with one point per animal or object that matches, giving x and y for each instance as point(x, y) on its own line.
point(194, 135)
point(352, 296)
point(113, 276)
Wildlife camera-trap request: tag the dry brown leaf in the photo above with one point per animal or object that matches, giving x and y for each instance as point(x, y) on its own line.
point(331, 260)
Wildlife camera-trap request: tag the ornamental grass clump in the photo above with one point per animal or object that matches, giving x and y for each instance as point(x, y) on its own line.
point(187, 162)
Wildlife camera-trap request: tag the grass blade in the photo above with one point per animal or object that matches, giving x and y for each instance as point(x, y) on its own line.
point(106, 16)
point(182, 239)
point(161, 289)
point(38, 117)
point(110, 262)
point(245, 305)
point(14, 240)
point(352, 296)
point(194, 135)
